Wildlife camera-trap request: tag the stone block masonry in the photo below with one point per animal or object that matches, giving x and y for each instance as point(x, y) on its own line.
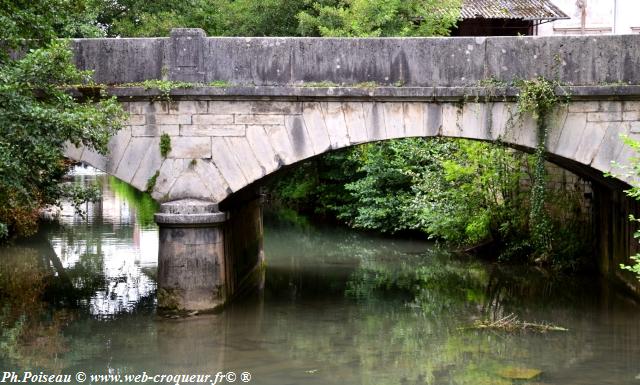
point(203, 130)
point(191, 262)
point(218, 147)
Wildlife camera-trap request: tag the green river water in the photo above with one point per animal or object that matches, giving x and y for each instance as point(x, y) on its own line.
point(338, 307)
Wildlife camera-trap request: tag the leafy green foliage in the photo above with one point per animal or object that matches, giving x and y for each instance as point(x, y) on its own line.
point(537, 97)
point(478, 195)
point(164, 86)
point(259, 18)
point(461, 191)
point(316, 186)
point(31, 23)
point(37, 116)
point(216, 17)
point(151, 182)
point(635, 268)
point(375, 18)
point(143, 18)
point(383, 195)
point(458, 191)
point(633, 192)
point(280, 17)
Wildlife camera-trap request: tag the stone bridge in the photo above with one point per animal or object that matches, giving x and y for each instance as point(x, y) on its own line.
point(251, 106)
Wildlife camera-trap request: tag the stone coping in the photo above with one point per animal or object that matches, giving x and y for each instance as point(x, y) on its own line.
point(470, 93)
point(190, 220)
point(189, 212)
point(188, 207)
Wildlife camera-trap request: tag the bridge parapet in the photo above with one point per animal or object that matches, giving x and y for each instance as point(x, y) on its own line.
point(188, 55)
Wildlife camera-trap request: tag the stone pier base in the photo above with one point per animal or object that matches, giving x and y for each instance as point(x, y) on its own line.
point(208, 257)
point(191, 258)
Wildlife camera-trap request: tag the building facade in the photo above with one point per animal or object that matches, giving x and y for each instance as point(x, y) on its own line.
point(595, 17)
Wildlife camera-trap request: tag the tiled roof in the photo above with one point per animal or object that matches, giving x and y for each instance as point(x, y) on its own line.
point(511, 9)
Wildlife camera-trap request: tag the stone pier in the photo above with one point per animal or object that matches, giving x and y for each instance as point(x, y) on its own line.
point(191, 257)
point(206, 256)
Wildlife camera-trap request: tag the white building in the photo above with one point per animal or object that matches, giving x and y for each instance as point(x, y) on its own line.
point(595, 17)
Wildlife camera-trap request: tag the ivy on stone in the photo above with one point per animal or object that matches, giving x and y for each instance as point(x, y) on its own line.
point(538, 98)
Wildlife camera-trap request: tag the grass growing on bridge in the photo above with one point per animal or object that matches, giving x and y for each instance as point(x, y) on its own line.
point(364, 85)
point(219, 83)
point(165, 144)
point(164, 86)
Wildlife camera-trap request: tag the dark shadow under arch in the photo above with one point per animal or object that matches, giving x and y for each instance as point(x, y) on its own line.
point(583, 171)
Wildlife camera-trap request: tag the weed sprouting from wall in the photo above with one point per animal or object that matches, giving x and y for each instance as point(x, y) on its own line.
point(151, 182)
point(165, 144)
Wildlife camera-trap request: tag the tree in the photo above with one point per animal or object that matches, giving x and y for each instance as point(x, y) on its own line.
point(37, 114)
point(359, 18)
point(460, 191)
point(138, 18)
point(35, 22)
point(216, 17)
point(375, 18)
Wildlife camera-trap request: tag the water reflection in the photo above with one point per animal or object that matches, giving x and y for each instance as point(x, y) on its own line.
point(338, 308)
point(112, 251)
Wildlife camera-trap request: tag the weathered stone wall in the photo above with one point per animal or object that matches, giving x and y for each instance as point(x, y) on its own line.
point(615, 234)
point(188, 55)
point(576, 193)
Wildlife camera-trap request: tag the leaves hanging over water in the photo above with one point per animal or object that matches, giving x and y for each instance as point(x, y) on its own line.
point(37, 118)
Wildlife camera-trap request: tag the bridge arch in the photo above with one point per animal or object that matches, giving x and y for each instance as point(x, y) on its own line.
point(219, 147)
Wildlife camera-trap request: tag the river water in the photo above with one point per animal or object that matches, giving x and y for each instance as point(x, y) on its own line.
point(339, 307)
